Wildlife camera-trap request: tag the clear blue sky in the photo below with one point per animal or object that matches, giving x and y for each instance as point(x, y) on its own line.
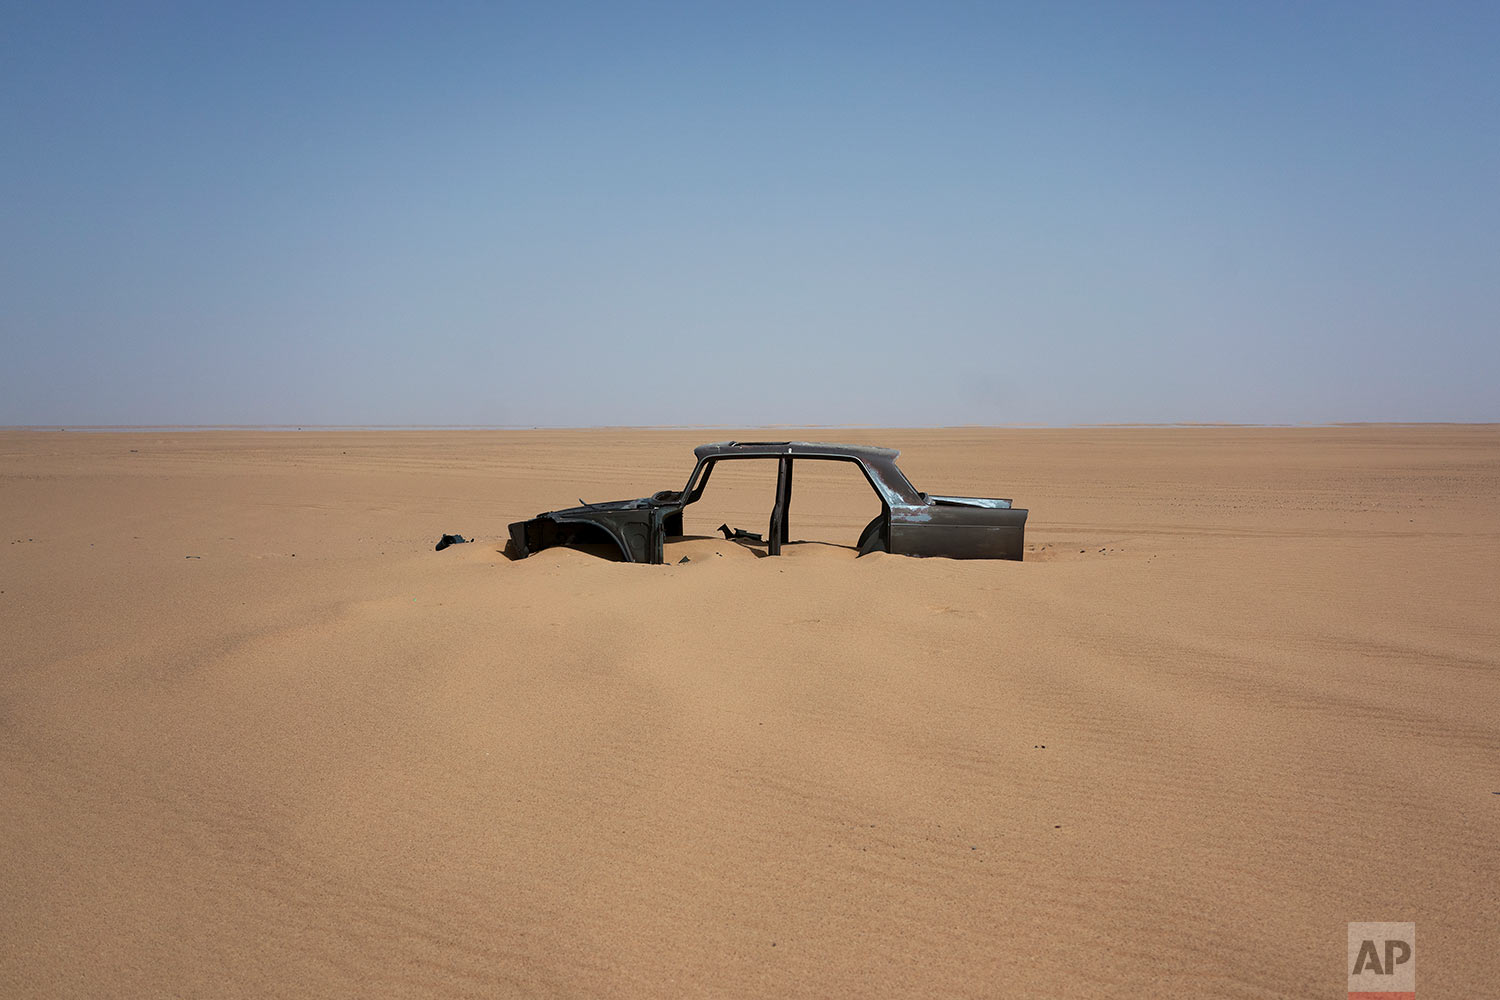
point(749, 213)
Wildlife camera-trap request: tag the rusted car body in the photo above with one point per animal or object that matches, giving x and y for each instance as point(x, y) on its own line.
point(910, 523)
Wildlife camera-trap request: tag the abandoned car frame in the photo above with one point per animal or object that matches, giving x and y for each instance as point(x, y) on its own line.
point(910, 523)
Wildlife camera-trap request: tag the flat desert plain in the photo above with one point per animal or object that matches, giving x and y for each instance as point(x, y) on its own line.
point(258, 738)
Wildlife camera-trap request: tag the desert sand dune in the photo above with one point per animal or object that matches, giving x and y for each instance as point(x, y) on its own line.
point(258, 739)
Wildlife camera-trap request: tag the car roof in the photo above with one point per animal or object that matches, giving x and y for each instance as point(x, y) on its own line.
point(810, 449)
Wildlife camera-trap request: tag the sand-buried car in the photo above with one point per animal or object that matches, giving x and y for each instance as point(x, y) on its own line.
point(910, 522)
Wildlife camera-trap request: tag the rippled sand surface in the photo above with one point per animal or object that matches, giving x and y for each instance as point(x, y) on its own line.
point(258, 739)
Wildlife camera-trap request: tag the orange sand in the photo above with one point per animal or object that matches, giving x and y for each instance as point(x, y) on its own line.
point(1245, 689)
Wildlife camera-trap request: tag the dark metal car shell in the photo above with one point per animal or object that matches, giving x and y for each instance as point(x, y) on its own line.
point(910, 522)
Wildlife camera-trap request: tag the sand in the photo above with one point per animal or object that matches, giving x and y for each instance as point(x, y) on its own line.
point(258, 739)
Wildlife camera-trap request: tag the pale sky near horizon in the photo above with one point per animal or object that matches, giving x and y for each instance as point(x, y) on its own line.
point(746, 214)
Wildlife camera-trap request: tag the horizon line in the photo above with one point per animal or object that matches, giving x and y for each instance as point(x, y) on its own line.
point(1120, 425)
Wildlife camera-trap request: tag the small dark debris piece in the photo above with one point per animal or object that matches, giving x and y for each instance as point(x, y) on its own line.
point(683, 560)
point(740, 534)
point(448, 540)
point(192, 557)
